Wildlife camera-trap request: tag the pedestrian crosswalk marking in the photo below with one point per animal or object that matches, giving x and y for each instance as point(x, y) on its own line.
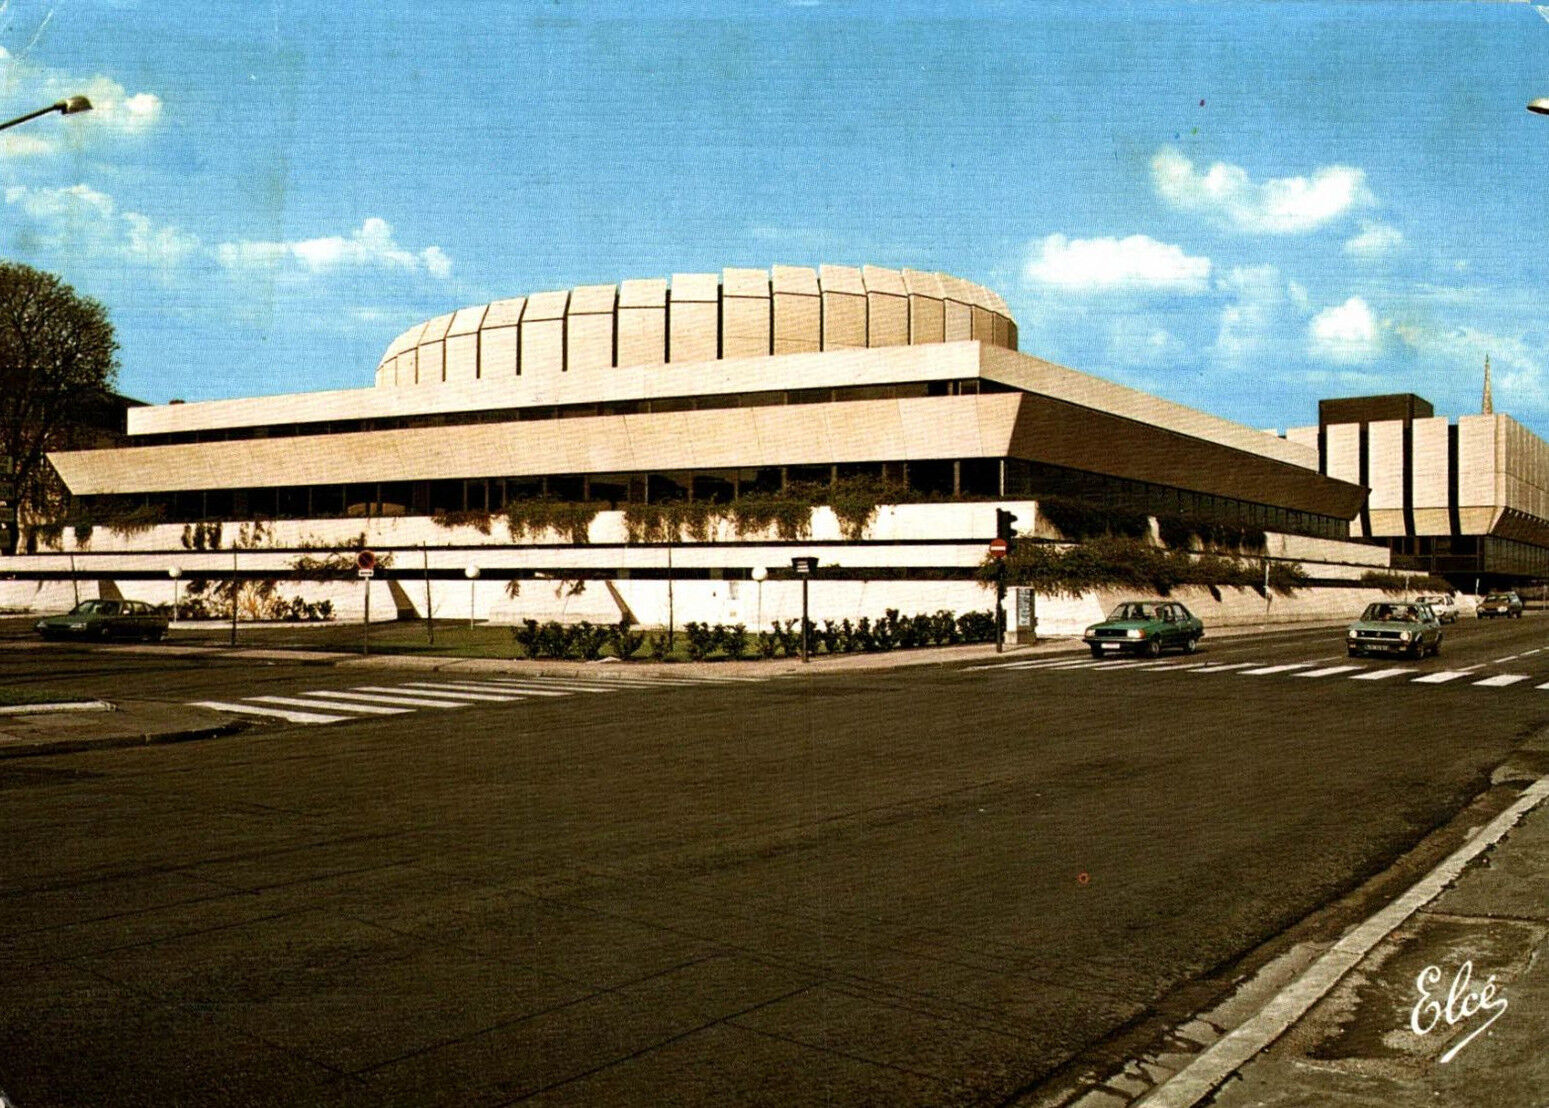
point(1380, 674)
point(1262, 670)
point(363, 709)
point(1327, 671)
point(1219, 667)
point(1501, 681)
point(378, 698)
point(417, 687)
point(525, 690)
point(1441, 677)
point(271, 713)
point(317, 706)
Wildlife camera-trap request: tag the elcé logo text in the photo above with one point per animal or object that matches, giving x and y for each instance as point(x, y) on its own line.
point(1463, 1003)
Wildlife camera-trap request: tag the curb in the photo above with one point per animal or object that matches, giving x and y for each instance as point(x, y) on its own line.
point(75, 746)
point(57, 706)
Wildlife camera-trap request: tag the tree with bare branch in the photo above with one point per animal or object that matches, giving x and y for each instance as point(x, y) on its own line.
point(58, 357)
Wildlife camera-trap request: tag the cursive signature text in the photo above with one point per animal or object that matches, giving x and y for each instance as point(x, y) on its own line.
point(1463, 1002)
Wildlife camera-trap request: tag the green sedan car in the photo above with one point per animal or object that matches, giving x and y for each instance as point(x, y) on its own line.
point(105, 619)
point(1395, 628)
point(1145, 627)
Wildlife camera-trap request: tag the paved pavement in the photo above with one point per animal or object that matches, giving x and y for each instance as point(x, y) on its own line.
point(1447, 1003)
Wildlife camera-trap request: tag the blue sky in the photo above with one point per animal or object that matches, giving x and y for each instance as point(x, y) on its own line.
point(1240, 206)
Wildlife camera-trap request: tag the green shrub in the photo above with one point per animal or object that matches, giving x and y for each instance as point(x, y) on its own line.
point(570, 520)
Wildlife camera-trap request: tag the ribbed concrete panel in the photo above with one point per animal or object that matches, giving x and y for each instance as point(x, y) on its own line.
point(505, 313)
point(1002, 335)
point(1432, 521)
point(958, 320)
point(798, 310)
point(589, 328)
point(1525, 459)
point(467, 320)
point(1303, 436)
point(982, 324)
point(408, 367)
point(497, 353)
point(887, 307)
point(927, 312)
point(1478, 475)
point(1011, 335)
point(1429, 478)
point(543, 334)
point(435, 329)
point(745, 313)
point(1344, 452)
point(844, 306)
point(1385, 467)
point(1386, 522)
point(642, 323)
point(462, 357)
point(694, 317)
point(432, 363)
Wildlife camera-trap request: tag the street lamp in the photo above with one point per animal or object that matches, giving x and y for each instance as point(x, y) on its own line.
point(760, 574)
point(71, 105)
point(174, 572)
point(472, 573)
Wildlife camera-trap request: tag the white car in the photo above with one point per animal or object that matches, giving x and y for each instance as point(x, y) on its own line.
point(1445, 607)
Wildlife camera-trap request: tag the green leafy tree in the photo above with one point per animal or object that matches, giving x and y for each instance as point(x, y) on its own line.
point(58, 357)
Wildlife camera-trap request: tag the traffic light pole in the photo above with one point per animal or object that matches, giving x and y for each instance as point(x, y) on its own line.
point(1000, 607)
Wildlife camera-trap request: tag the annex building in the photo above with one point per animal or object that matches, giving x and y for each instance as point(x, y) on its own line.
point(1466, 499)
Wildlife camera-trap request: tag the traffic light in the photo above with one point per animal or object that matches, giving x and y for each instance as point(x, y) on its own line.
point(1005, 528)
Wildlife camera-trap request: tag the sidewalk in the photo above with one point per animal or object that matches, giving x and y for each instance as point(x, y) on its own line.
point(1440, 997)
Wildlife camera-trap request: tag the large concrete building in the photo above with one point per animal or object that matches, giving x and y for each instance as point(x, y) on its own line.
point(1468, 500)
point(705, 387)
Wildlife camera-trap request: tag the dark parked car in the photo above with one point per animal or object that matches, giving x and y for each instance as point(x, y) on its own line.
point(105, 619)
point(1507, 604)
point(1145, 627)
point(1395, 628)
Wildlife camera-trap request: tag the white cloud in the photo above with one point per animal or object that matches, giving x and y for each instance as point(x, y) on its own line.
point(80, 220)
point(1247, 324)
point(1517, 371)
point(1279, 206)
point(1347, 333)
point(370, 246)
point(1106, 264)
point(1375, 240)
point(114, 110)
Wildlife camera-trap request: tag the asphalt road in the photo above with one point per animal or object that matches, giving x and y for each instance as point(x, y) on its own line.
point(922, 886)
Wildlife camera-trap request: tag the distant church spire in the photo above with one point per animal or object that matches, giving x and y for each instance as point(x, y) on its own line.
point(1487, 407)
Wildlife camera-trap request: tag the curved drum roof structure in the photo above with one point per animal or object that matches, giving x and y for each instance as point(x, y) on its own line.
point(696, 317)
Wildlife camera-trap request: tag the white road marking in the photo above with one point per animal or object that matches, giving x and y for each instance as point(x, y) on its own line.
point(272, 713)
point(413, 689)
point(1220, 667)
point(525, 690)
point(364, 709)
point(1501, 681)
point(553, 683)
point(1442, 677)
point(1380, 674)
point(1275, 669)
point(376, 698)
point(1508, 658)
point(1328, 671)
point(1530, 653)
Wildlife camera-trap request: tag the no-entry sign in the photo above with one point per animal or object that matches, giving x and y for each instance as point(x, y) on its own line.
point(998, 548)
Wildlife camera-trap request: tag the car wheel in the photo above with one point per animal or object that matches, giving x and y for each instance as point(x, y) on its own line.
point(1436, 648)
point(1191, 644)
point(1154, 647)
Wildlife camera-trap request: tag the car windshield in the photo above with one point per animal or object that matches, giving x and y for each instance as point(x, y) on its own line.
point(1497, 598)
point(1390, 613)
point(1135, 610)
point(95, 607)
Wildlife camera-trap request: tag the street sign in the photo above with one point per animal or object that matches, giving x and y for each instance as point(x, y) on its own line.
point(365, 561)
point(804, 566)
point(999, 547)
point(366, 574)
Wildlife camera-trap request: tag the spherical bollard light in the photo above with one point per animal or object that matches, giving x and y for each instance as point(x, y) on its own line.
point(760, 573)
point(174, 572)
point(472, 573)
